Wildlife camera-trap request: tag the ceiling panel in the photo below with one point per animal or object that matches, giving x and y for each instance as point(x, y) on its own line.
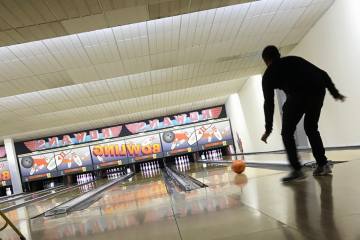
point(174, 63)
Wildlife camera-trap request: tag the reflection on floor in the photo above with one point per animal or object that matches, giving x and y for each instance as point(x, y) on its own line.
point(253, 205)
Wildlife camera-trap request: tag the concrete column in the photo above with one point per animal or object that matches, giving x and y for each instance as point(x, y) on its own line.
point(13, 165)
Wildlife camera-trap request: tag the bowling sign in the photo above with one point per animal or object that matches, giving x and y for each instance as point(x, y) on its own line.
point(73, 160)
point(178, 141)
point(5, 177)
point(37, 167)
point(109, 154)
point(214, 135)
point(142, 148)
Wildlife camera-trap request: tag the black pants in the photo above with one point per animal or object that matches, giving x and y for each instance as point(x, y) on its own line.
point(294, 108)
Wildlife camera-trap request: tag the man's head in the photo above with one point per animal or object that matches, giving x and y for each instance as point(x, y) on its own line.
point(269, 54)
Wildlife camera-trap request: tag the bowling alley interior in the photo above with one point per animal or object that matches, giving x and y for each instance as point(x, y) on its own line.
point(149, 119)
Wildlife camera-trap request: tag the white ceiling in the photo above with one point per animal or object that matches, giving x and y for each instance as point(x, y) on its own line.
point(142, 70)
point(29, 20)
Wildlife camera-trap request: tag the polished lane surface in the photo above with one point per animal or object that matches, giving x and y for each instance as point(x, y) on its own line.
point(27, 197)
point(135, 209)
point(26, 194)
point(39, 207)
point(252, 205)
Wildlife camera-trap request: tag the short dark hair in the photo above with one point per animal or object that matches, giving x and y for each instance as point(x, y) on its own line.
point(270, 53)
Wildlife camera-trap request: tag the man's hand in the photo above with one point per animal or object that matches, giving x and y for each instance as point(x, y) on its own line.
point(340, 98)
point(264, 137)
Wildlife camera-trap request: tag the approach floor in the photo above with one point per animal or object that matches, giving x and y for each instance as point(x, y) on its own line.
point(252, 205)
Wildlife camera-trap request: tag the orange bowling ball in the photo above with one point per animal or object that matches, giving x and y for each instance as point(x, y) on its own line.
point(238, 166)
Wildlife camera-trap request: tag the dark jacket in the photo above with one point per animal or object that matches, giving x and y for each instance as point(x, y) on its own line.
point(296, 77)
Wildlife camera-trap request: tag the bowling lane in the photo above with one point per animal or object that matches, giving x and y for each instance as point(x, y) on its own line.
point(33, 209)
point(28, 197)
point(222, 200)
point(136, 209)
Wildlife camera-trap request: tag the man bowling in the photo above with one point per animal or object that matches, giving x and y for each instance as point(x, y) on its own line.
point(305, 86)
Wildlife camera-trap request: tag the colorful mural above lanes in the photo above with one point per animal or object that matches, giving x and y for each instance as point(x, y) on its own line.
point(142, 148)
point(176, 120)
point(5, 177)
point(215, 134)
point(179, 141)
point(108, 154)
point(120, 130)
point(73, 160)
point(74, 138)
point(38, 166)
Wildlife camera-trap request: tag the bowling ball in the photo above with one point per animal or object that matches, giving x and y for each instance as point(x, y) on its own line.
point(238, 166)
point(27, 162)
point(168, 136)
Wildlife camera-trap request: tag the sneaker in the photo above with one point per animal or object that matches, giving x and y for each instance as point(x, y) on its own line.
point(322, 170)
point(294, 175)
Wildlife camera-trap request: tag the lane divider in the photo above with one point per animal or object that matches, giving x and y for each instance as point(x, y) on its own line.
point(185, 182)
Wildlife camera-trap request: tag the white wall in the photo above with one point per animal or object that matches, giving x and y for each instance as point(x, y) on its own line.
point(246, 114)
point(235, 113)
point(334, 45)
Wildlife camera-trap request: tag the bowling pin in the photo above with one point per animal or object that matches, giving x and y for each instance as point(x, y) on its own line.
point(146, 174)
point(217, 133)
point(8, 192)
point(77, 160)
point(51, 164)
point(173, 145)
point(192, 139)
point(200, 132)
